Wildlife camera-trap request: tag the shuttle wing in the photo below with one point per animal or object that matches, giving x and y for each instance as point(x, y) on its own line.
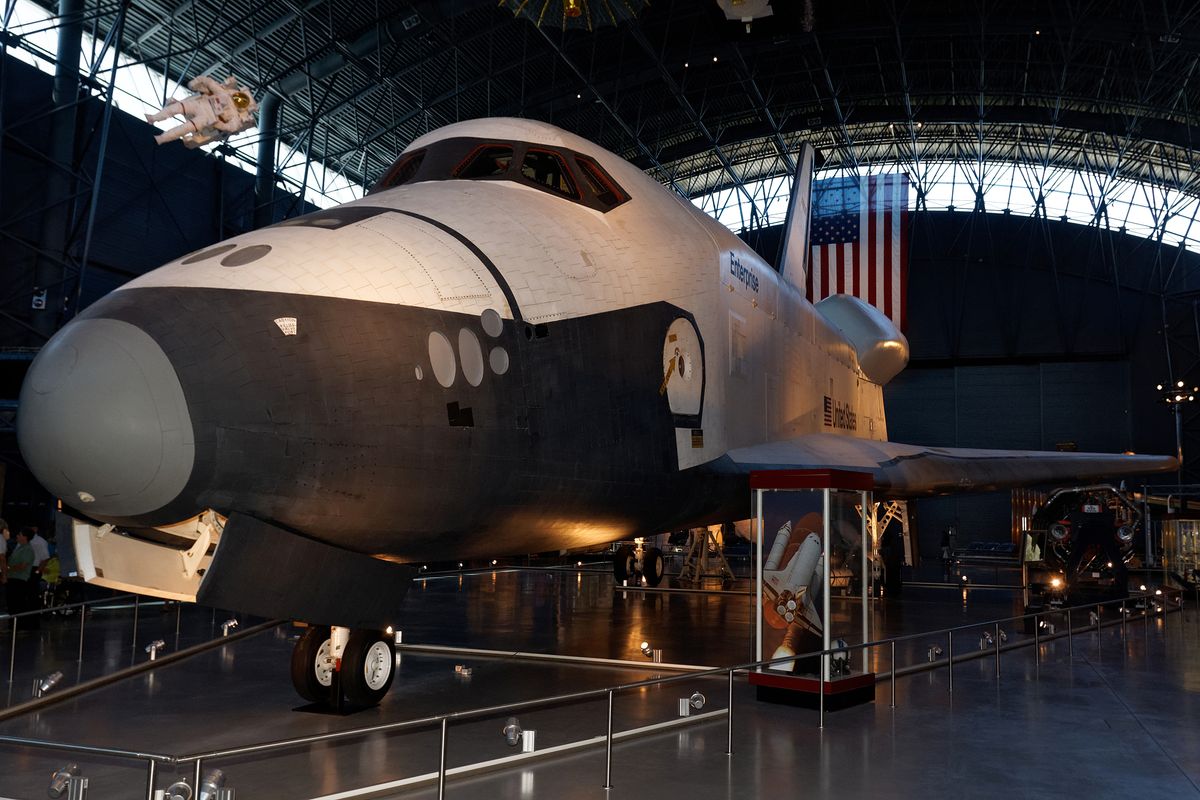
point(905, 470)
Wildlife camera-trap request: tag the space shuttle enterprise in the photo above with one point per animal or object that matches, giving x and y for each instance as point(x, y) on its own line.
point(516, 342)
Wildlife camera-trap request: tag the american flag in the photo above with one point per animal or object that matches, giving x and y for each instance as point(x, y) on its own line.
point(859, 233)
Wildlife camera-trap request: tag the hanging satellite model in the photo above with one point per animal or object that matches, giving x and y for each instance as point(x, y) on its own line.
point(216, 111)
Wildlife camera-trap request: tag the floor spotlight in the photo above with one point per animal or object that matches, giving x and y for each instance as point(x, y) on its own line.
point(688, 704)
point(512, 732)
point(211, 786)
point(60, 779)
point(179, 790)
point(647, 651)
point(933, 653)
point(154, 647)
point(227, 626)
point(43, 685)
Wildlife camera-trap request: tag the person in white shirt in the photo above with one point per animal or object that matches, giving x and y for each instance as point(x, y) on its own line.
point(41, 551)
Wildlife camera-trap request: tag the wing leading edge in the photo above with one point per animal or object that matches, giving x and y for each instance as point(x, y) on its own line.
point(905, 470)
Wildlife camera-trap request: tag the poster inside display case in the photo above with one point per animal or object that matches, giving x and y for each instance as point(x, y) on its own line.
point(813, 547)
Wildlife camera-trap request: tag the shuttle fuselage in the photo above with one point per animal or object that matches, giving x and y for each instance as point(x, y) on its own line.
point(462, 364)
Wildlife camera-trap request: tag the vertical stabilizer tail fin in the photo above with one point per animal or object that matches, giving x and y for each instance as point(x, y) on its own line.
point(794, 245)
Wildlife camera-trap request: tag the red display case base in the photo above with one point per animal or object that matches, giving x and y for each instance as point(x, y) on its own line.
point(795, 690)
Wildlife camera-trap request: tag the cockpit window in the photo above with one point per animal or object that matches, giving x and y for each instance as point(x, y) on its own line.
point(605, 189)
point(485, 161)
point(547, 169)
point(402, 171)
point(556, 170)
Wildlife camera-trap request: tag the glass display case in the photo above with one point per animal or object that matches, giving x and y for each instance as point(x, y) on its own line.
point(812, 583)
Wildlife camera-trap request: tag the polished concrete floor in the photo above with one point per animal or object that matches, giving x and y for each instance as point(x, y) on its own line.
point(1115, 717)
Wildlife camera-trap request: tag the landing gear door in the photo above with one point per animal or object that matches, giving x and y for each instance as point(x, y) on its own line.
point(683, 387)
point(683, 373)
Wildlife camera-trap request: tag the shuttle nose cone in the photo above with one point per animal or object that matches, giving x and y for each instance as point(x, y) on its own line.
point(103, 422)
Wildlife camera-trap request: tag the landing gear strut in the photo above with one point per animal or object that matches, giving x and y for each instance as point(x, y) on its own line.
point(634, 563)
point(330, 665)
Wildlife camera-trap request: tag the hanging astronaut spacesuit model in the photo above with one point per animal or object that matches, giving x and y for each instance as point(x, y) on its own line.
point(216, 111)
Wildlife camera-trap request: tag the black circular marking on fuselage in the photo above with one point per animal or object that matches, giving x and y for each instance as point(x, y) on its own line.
point(246, 255)
point(467, 243)
point(209, 253)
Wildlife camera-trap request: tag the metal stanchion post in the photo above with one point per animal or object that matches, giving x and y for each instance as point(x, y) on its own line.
point(1099, 632)
point(1037, 643)
point(729, 719)
point(442, 762)
point(608, 745)
point(133, 643)
point(151, 774)
point(1070, 638)
point(178, 611)
point(893, 676)
point(821, 694)
point(12, 651)
point(950, 661)
point(196, 778)
point(82, 617)
point(996, 644)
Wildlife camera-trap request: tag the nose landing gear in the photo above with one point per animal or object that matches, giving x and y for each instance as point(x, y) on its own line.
point(332, 665)
point(635, 563)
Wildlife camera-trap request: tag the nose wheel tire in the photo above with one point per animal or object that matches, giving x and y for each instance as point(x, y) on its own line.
point(368, 667)
point(313, 665)
point(624, 564)
point(653, 566)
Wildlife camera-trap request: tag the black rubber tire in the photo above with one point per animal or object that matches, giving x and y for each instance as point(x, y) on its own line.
point(304, 657)
point(653, 566)
point(355, 688)
point(623, 561)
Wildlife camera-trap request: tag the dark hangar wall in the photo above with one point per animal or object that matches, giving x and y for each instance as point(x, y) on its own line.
point(1030, 334)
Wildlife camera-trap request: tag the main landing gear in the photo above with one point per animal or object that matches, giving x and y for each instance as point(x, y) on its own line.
point(634, 563)
point(330, 665)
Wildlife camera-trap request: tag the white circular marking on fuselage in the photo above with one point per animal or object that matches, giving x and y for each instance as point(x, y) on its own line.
point(441, 358)
point(493, 325)
point(498, 359)
point(471, 355)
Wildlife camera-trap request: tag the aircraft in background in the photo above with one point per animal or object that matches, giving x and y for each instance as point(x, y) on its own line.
point(516, 342)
